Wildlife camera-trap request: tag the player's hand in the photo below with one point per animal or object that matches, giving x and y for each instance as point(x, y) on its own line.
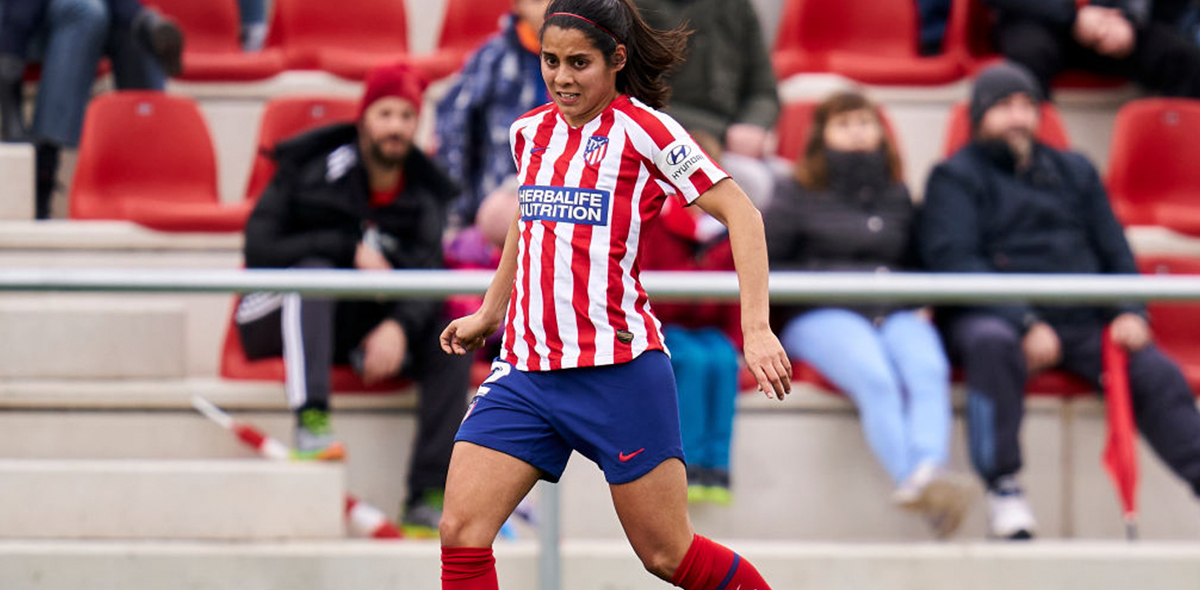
point(1042, 347)
point(383, 351)
point(768, 362)
point(368, 258)
point(1130, 331)
point(467, 333)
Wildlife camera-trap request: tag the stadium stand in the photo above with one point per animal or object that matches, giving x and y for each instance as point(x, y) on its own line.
point(1051, 131)
point(1174, 324)
point(1152, 179)
point(345, 38)
point(213, 51)
point(286, 117)
point(466, 25)
point(794, 123)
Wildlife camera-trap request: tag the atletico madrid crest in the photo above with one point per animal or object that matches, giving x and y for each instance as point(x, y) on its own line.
point(594, 152)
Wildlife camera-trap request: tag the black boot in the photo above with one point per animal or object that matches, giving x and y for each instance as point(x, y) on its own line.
point(12, 116)
point(163, 38)
point(46, 167)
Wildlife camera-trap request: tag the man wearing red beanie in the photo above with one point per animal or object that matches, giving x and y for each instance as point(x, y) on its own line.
point(360, 196)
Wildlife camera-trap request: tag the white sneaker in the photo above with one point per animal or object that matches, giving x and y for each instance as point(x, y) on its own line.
point(941, 496)
point(1009, 515)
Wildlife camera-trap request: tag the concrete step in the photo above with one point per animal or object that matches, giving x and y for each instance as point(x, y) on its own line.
point(137, 499)
point(17, 170)
point(592, 565)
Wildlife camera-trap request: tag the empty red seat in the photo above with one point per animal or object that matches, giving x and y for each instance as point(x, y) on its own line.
point(794, 125)
point(466, 25)
point(871, 41)
point(345, 37)
point(213, 50)
point(1153, 178)
point(1174, 323)
point(147, 157)
point(286, 117)
point(342, 378)
point(1051, 130)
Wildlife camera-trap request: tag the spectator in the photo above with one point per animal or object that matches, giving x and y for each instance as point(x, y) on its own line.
point(701, 336)
point(360, 196)
point(1134, 39)
point(845, 208)
point(1008, 204)
point(726, 88)
point(499, 83)
point(254, 24)
point(70, 37)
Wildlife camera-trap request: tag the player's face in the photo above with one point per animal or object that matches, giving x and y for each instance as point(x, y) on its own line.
point(854, 131)
point(387, 130)
point(580, 81)
point(1013, 120)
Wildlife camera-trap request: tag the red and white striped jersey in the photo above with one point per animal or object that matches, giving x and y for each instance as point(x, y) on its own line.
point(584, 194)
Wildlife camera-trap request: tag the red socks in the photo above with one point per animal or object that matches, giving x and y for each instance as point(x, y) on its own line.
point(711, 566)
point(468, 568)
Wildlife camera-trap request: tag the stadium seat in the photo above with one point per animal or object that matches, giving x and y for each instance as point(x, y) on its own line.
point(286, 117)
point(1174, 324)
point(466, 25)
point(1052, 131)
point(213, 51)
point(795, 121)
point(969, 36)
point(346, 37)
point(235, 366)
point(871, 41)
point(147, 157)
point(1152, 175)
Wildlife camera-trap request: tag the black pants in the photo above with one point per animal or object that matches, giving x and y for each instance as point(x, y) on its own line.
point(313, 333)
point(990, 352)
point(1163, 59)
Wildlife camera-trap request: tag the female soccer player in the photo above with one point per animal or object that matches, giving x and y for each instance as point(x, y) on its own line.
point(583, 366)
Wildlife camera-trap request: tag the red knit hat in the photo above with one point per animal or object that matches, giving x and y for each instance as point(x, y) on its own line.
point(399, 80)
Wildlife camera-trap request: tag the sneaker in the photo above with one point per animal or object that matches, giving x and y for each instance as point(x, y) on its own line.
point(1009, 515)
point(941, 496)
point(163, 37)
point(314, 438)
point(697, 491)
point(422, 517)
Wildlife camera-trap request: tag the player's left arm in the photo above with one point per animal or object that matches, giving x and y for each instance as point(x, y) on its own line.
point(765, 356)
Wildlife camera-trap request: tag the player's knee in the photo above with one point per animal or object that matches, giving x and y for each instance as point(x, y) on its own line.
point(662, 561)
point(458, 532)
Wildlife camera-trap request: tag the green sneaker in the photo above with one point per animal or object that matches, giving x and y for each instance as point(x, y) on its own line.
point(422, 517)
point(716, 486)
point(314, 438)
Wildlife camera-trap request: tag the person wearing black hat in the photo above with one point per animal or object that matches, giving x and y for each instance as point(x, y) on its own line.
point(1006, 203)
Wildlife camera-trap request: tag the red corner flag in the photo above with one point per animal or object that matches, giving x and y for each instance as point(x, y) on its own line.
point(1120, 453)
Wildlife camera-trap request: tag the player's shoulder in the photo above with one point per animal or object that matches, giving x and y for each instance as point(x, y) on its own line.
point(532, 116)
point(660, 126)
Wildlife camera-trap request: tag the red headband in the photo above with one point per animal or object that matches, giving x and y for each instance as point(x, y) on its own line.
point(588, 21)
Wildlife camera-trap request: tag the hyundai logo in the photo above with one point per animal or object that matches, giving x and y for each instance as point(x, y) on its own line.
point(678, 155)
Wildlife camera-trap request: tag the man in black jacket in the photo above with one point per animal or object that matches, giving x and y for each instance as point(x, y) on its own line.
point(1135, 39)
point(1007, 204)
point(360, 196)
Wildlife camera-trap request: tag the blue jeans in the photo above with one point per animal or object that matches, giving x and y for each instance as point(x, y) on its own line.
point(897, 374)
point(75, 35)
point(253, 12)
point(706, 375)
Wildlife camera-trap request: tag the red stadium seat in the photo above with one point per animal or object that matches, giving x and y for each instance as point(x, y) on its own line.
point(1052, 131)
point(1152, 175)
point(148, 157)
point(1174, 324)
point(466, 25)
point(289, 116)
point(871, 41)
point(795, 122)
point(235, 365)
point(969, 36)
point(346, 37)
point(213, 49)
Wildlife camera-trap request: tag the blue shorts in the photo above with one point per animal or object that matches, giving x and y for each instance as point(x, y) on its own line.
point(624, 417)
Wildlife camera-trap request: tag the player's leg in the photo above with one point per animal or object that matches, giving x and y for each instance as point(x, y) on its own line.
point(482, 488)
point(653, 512)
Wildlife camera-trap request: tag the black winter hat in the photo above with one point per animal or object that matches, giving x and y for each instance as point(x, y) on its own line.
point(997, 83)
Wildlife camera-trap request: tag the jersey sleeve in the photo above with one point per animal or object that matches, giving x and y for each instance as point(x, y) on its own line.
point(681, 162)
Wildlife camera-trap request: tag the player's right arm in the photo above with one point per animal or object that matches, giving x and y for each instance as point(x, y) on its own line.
point(469, 332)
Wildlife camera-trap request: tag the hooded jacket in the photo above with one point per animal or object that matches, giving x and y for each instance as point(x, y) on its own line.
point(318, 205)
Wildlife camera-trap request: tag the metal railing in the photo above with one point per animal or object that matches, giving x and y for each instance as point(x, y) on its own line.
point(785, 287)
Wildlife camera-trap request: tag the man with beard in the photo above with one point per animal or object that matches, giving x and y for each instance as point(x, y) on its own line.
point(1006, 203)
point(360, 196)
